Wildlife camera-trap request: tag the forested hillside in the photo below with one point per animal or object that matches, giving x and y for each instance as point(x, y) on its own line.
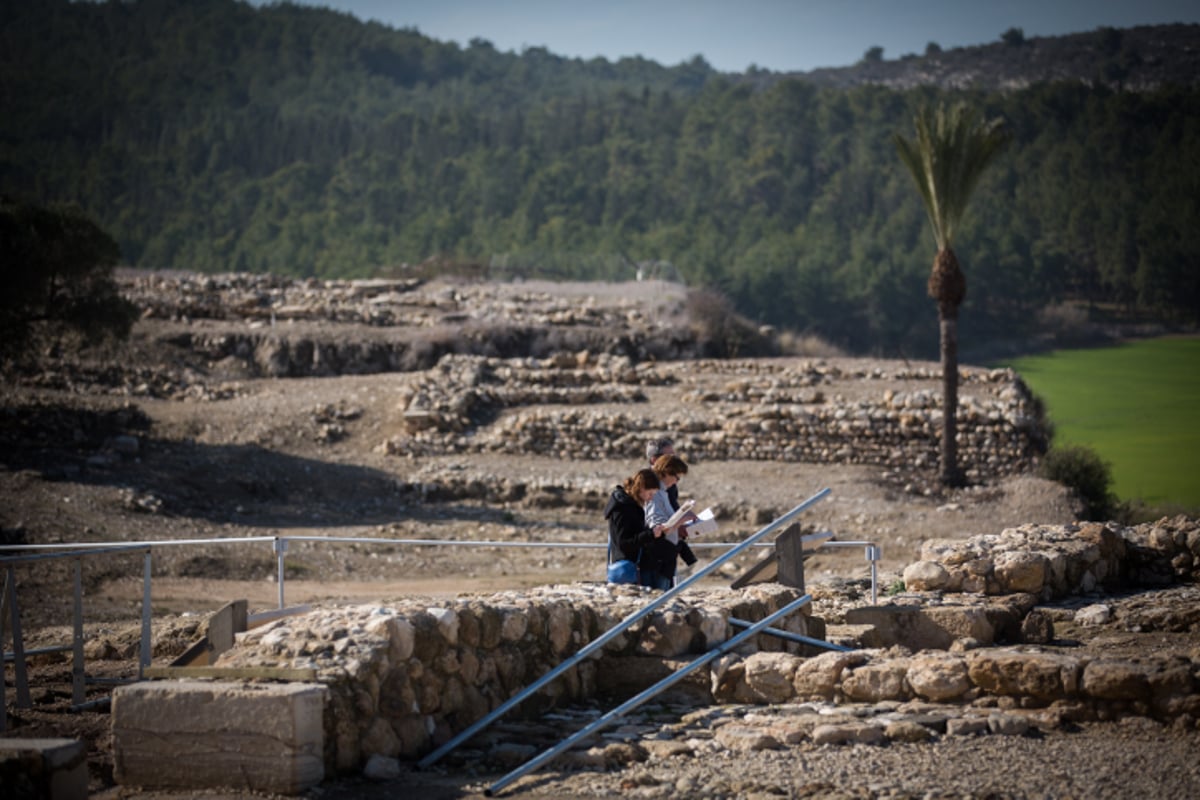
point(215, 136)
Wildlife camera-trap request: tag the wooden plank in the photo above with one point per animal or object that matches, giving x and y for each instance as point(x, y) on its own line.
point(764, 571)
point(263, 617)
point(790, 549)
point(234, 673)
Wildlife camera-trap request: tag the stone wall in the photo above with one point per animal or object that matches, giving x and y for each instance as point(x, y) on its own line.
point(1054, 561)
point(762, 409)
point(403, 678)
point(1077, 688)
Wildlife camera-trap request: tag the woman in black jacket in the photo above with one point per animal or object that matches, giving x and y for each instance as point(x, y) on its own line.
point(629, 535)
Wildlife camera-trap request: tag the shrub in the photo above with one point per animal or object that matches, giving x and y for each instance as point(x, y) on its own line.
point(1081, 469)
point(722, 332)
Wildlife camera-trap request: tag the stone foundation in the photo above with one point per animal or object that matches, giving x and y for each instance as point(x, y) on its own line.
point(403, 679)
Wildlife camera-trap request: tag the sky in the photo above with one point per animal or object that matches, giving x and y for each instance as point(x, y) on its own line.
point(732, 35)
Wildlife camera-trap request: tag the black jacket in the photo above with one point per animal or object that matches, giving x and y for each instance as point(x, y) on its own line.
point(632, 539)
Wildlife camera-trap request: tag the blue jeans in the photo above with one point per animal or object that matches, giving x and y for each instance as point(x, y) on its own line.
point(654, 579)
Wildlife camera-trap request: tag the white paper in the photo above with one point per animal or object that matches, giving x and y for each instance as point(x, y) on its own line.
point(706, 523)
point(678, 516)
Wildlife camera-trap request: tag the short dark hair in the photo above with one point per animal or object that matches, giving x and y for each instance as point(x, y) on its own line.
point(655, 447)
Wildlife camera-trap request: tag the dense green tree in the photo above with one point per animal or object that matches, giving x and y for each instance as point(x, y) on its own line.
point(948, 156)
point(56, 267)
point(219, 136)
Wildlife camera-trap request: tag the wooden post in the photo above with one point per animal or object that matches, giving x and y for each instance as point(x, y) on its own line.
point(789, 550)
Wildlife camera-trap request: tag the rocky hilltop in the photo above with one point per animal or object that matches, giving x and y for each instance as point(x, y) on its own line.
point(1136, 59)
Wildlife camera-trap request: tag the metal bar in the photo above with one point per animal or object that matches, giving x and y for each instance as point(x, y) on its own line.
point(20, 677)
point(794, 637)
point(76, 553)
point(39, 651)
point(99, 702)
point(78, 677)
point(612, 633)
point(106, 548)
point(281, 546)
point(144, 661)
point(653, 691)
point(101, 547)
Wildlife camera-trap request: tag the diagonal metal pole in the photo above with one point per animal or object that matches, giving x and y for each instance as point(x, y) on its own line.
point(613, 632)
point(793, 637)
point(653, 691)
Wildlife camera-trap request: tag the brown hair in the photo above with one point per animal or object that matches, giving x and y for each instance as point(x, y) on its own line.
point(639, 481)
point(669, 465)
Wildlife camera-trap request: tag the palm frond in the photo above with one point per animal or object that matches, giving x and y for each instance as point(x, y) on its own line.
point(950, 153)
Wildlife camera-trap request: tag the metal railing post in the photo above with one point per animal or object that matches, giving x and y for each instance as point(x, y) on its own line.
point(653, 691)
point(614, 632)
point(873, 555)
point(281, 546)
point(20, 678)
point(144, 661)
point(78, 675)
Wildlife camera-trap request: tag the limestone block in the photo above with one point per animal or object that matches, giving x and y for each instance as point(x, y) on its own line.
point(746, 738)
point(667, 634)
point(938, 677)
point(770, 676)
point(907, 731)
point(1037, 628)
point(819, 676)
point(922, 628)
point(1021, 571)
point(966, 726)
point(1116, 680)
point(45, 769)
point(197, 734)
point(1041, 676)
point(925, 576)
point(874, 683)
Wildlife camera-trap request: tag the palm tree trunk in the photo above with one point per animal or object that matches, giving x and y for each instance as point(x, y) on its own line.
point(948, 286)
point(948, 326)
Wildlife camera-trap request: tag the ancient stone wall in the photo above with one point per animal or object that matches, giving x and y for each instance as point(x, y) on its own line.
point(763, 409)
point(404, 678)
point(1052, 562)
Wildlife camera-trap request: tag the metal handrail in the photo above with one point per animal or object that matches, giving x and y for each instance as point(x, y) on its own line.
point(653, 691)
point(611, 634)
point(78, 674)
point(280, 546)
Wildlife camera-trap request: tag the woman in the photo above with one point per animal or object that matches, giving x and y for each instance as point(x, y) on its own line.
point(629, 534)
point(668, 469)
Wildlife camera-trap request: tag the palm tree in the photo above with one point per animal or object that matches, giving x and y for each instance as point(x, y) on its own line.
point(952, 149)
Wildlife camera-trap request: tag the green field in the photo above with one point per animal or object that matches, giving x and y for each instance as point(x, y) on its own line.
point(1137, 405)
